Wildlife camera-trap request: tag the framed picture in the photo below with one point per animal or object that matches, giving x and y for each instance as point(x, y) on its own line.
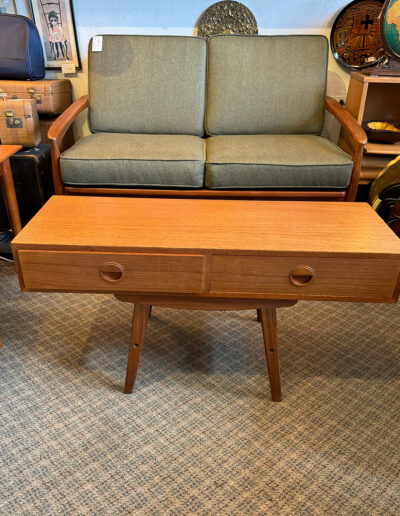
point(8, 7)
point(55, 22)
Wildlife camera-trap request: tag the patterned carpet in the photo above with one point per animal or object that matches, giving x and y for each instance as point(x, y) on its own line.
point(200, 435)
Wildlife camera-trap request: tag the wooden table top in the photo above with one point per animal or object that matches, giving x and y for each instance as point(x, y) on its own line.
point(6, 151)
point(240, 227)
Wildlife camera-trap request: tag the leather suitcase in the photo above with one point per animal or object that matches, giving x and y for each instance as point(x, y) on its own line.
point(33, 180)
point(19, 123)
point(52, 96)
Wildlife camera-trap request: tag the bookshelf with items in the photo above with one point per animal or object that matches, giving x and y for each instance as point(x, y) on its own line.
point(374, 98)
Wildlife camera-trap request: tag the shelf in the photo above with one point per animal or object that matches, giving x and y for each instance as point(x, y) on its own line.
point(372, 98)
point(375, 79)
point(383, 148)
point(372, 165)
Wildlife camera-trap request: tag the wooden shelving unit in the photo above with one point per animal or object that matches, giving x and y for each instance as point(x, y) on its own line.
point(373, 98)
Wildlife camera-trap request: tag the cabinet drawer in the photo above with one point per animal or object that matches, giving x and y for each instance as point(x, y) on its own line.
point(111, 272)
point(305, 277)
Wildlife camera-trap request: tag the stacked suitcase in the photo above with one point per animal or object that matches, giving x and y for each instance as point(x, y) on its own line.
point(29, 105)
point(27, 110)
point(33, 181)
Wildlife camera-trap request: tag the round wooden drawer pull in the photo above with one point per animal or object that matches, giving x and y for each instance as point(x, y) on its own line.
point(111, 272)
point(301, 275)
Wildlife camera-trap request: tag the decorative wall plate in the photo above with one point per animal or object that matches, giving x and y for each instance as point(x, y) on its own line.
point(226, 17)
point(355, 38)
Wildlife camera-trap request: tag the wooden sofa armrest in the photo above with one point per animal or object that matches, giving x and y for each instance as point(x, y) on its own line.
point(56, 134)
point(356, 134)
point(64, 121)
point(356, 138)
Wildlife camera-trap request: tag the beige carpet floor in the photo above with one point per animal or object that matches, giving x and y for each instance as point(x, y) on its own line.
point(199, 436)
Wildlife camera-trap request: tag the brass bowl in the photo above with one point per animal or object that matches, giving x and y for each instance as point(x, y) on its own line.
point(382, 135)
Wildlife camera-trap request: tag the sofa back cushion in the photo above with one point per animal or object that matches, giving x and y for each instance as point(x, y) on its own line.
point(266, 84)
point(147, 84)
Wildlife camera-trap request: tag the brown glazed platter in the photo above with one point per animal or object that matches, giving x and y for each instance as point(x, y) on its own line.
point(355, 36)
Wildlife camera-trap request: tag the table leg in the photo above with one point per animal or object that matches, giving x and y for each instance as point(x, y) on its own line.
point(140, 318)
point(270, 333)
point(7, 184)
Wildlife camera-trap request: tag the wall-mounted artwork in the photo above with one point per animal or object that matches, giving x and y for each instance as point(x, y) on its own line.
point(55, 22)
point(8, 7)
point(355, 38)
point(226, 17)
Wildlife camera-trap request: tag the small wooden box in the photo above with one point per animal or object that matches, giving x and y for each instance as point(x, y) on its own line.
point(19, 123)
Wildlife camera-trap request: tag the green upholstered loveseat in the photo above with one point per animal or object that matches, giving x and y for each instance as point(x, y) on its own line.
point(236, 116)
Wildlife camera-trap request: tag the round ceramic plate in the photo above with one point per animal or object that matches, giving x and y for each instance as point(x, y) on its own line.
point(226, 17)
point(355, 39)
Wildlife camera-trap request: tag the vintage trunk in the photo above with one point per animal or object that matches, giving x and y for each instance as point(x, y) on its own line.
point(31, 169)
point(19, 123)
point(52, 96)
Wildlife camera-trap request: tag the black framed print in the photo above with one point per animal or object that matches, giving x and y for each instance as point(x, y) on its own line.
point(55, 22)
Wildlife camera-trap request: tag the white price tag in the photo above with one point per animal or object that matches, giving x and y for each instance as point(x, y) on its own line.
point(68, 68)
point(97, 43)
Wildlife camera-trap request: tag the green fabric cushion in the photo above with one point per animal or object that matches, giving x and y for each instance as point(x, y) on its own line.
point(276, 161)
point(137, 160)
point(266, 84)
point(148, 84)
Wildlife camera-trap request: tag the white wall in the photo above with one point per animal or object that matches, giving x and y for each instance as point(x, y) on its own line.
point(180, 16)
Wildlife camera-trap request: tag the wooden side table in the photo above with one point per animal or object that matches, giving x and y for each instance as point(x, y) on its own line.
point(7, 184)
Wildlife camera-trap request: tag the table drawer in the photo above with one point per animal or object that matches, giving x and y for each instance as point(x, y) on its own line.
point(306, 277)
point(111, 272)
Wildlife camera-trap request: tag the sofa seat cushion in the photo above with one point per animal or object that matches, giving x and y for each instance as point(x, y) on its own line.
point(275, 161)
point(135, 160)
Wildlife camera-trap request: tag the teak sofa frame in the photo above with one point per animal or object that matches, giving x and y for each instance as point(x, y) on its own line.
point(356, 138)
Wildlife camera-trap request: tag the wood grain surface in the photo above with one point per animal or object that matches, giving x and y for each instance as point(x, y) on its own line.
point(60, 270)
point(338, 278)
point(6, 151)
point(187, 225)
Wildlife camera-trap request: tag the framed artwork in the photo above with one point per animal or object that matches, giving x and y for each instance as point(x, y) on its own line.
point(55, 22)
point(8, 7)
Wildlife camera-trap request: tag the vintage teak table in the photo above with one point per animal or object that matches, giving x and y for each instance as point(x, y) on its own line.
point(209, 255)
